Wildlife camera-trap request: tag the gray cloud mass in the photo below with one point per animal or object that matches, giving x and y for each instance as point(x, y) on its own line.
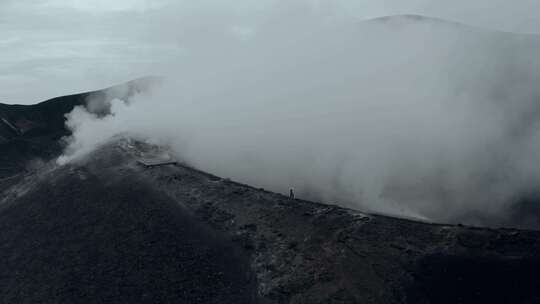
point(404, 115)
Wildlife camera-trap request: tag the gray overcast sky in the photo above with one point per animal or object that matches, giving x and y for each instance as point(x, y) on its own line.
point(56, 47)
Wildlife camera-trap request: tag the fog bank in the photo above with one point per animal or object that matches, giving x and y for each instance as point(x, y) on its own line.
point(402, 115)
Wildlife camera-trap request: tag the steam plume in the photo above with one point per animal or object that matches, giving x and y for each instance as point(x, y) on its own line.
point(403, 115)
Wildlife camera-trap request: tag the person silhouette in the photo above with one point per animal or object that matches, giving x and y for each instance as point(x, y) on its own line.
point(291, 193)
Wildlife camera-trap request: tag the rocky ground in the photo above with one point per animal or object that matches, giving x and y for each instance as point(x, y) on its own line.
point(112, 230)
point(124, 226)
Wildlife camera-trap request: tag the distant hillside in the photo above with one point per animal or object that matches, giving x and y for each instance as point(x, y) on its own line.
point(34, 131)
point(414, 19)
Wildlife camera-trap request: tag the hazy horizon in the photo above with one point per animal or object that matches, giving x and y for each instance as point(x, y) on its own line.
point(52, 48)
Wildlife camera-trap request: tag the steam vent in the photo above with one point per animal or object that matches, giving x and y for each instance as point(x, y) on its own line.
point(129, 224)
point(292, 152)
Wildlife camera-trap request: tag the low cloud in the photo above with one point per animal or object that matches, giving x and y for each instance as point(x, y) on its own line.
point(404, 115)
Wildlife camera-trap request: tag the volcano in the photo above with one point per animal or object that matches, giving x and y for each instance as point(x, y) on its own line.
point(122, 225)
point(128, 223)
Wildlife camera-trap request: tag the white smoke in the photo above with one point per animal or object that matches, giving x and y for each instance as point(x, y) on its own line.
point(403, 115)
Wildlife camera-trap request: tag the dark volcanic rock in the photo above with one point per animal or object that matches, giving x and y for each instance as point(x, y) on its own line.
point(108, 229)
point(87, 235)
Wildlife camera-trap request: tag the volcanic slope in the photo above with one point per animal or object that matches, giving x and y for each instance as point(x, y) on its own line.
point(123, 226)
point(112, 229)
point(117, 227)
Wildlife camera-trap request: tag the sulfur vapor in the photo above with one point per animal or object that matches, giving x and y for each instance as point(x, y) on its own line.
point(403, 115)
